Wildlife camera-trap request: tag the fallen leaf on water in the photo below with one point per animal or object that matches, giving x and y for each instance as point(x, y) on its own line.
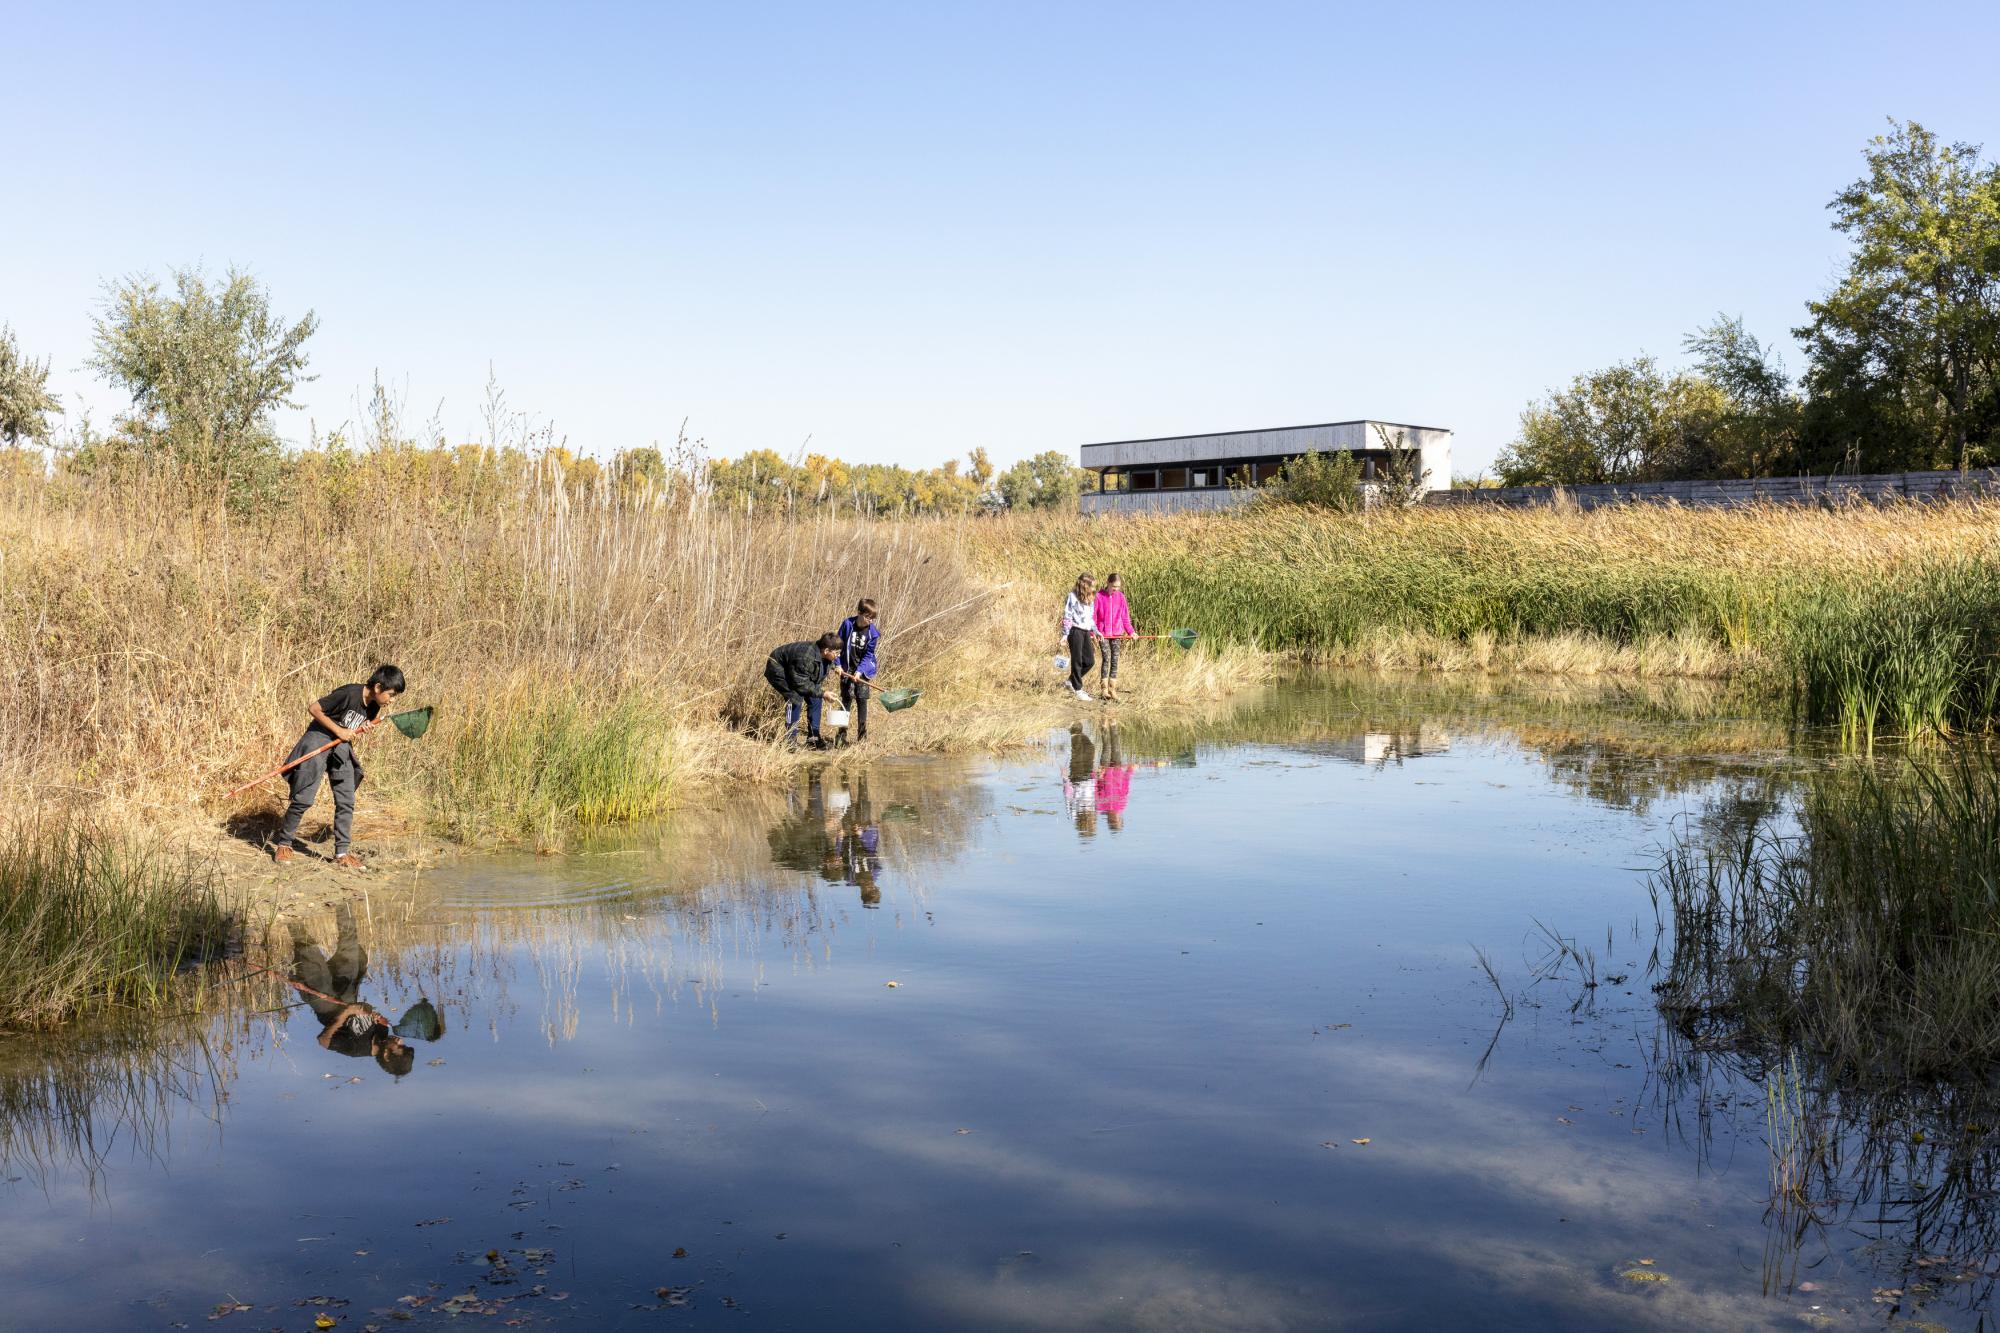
point(1564, 1120)
point(324, 1321)
point(892, 984)
point(680, 1252)
point(1808, 1286)
point(435, 1063)
point(228, 1308)
point(1328, 1143)
point(1644, 1275)
point(961, 1131)
point(1648, 1263)
point(1363, 1142)
point(674, 1295)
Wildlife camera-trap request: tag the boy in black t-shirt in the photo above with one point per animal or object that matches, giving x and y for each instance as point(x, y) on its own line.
point(338, 716)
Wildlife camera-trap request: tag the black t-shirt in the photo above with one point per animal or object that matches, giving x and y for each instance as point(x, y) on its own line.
point(356, 1036)
point(344, 706)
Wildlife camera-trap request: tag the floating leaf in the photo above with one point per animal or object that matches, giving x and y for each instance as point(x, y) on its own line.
point(324, 1321)
point(680, 1252)
point(1644, 1275)
point(892, 984)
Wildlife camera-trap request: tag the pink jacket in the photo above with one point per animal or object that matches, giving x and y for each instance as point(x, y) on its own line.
point(1114, 617)
point(1114, 789)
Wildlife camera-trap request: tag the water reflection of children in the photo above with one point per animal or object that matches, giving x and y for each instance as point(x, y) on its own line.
point(1080, 782)
point(350, 1025)
point(860, 843)
point(834, 835)
point(1113, 781)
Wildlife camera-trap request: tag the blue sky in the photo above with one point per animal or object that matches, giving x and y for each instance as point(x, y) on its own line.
point(901, 231)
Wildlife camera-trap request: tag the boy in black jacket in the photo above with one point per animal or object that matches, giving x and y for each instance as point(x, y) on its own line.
point(338, 716)
point(797, 672)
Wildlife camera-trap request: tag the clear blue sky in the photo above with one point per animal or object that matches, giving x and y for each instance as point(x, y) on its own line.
point(903, 231)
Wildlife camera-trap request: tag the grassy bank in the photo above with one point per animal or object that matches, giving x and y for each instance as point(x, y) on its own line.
point(93, 924)
point(595, 649)
point(1870, 619)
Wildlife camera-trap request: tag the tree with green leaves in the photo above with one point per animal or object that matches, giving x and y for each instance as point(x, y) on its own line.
point(1757, 431)
point(1627, 422)
point(1905, 351)
point(206, 364)
point(1317, 481)
point(1049, 480)
point(25, 400)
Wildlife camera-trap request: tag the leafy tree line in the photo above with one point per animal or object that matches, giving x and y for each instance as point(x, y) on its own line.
point(1902, 355)
point(205, 363)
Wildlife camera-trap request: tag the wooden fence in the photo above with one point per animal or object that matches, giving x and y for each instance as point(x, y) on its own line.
point(1876, 488)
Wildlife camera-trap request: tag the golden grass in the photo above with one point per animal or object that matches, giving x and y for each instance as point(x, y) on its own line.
point(596, 651)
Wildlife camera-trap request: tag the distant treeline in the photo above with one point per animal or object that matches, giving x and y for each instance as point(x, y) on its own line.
point(205, 363)
point(1902, 355)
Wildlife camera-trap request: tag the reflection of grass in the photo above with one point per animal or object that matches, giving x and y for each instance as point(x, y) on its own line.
point(1868, 938)
point(89, 923)
point(1852, 969)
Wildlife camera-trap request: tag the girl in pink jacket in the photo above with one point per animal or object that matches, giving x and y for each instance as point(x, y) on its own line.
point(1114, 623)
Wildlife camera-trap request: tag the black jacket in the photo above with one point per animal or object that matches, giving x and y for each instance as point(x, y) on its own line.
point(796, 668)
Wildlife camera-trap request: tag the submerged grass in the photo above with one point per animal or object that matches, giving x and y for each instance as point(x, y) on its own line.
point(1868, 937)
point(90, 923)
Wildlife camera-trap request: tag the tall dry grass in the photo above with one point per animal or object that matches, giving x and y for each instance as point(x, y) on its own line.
point(581, 644)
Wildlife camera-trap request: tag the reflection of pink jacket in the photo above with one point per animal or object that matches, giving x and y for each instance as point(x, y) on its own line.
point(1114, 788)
point(1114, 617)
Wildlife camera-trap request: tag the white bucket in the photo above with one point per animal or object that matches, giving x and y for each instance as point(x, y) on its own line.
point(1062, 662)
point(836, 717)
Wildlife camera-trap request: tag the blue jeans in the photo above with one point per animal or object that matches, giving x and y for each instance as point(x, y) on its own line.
point(811, 704)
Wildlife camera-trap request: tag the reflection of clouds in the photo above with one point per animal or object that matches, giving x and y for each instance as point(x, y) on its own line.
point(1119, 1288)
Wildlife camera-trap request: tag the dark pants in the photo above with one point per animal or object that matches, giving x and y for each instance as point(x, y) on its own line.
point(795, 703)
point(855, 695)
point(343, 770)
point(1082, 656)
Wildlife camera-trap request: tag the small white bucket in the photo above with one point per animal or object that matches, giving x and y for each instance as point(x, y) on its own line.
point(836, 717)
point(1062, 662)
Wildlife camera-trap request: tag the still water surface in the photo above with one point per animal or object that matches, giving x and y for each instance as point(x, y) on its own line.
point(1149, 1028)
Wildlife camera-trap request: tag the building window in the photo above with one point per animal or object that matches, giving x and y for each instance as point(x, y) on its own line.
point(1267, 473)
point(1173, 479)
point(1201, 476)
point(1143, 481)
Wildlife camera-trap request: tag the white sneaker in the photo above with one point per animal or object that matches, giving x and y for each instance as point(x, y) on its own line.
point(1081, 695)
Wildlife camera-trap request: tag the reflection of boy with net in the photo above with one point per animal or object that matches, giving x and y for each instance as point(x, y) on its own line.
point(350, 1026)
point(860, 844)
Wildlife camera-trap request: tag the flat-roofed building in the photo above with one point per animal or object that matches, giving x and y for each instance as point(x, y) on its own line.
point(1222, 469)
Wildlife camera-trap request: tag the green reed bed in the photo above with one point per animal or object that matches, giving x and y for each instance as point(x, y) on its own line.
point(1870, 937)
point(1907, 651)
point(92, 924)
point(541, 755)
point(1878, 622)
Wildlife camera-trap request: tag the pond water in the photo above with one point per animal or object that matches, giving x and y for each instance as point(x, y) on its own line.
point(1151, 1027)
